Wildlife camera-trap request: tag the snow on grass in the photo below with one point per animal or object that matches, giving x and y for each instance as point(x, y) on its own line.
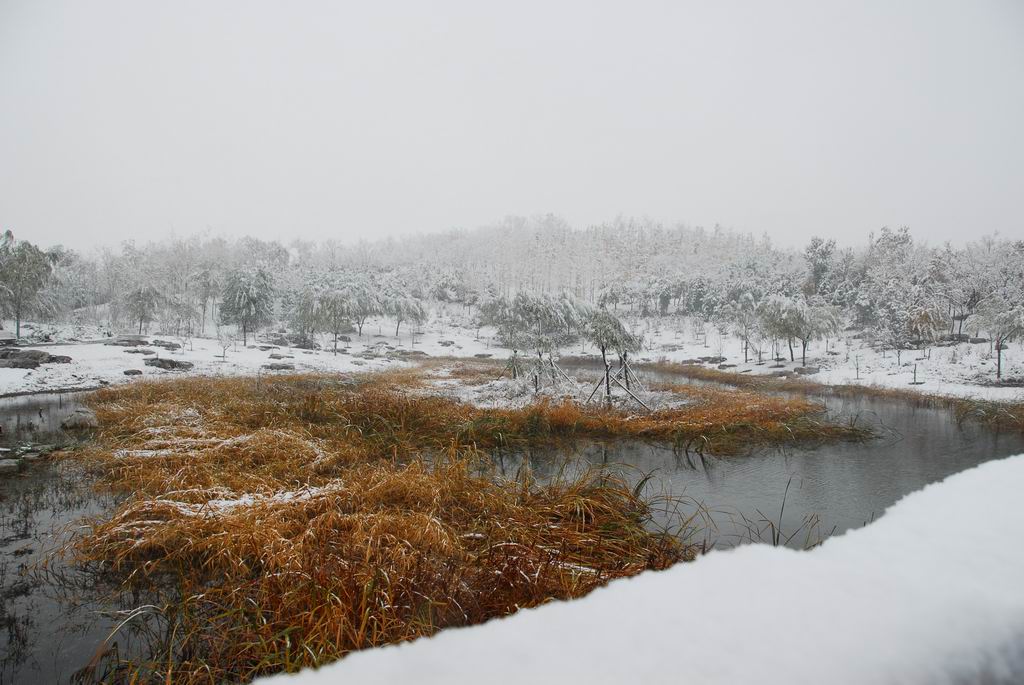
point(929, 593)
point(496, 392)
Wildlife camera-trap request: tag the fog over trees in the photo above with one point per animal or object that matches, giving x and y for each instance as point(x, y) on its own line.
point(541, 283)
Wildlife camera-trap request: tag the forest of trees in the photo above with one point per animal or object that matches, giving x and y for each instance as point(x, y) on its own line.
point(898, 292)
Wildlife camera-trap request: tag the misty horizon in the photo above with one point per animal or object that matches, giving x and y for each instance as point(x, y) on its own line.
point(348, 123)
point(528, 226)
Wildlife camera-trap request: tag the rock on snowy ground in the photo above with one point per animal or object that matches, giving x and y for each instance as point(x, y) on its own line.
point(929, 593)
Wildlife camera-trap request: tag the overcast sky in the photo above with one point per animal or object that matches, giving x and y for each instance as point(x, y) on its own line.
point(367, 119)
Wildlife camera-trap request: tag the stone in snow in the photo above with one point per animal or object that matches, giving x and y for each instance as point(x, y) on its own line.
point(168, 364)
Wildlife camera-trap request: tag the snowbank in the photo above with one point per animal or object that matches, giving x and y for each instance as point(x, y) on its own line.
point(930, 593)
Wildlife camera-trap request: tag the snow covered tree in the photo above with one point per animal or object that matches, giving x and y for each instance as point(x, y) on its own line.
point(301, 303)
point(335, 303)
point(24, 271)
point(490, 311)
point(819, 257)
point(208, 287)
point(404, 307)
point(248, 300)
point(798, 318)
point(606, 332)
point(1001, 313)
point(365, 300)
point(70, 287)
point(1004, 322)
point(742, 316)
point(774, 320)
point(141, 303)
point(541, 322)
point(575, 314)
point(810, 320)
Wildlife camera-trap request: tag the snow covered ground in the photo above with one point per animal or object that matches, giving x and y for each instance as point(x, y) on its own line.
point(929, 593)
point(964, 369)
point(93, 362)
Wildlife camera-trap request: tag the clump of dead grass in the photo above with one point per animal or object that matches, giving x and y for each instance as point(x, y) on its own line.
point(290, 521)
point(387, 553)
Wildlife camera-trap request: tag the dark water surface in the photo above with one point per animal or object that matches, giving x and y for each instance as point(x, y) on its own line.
point(35, 418)
point(831, 488)
point(54, 620)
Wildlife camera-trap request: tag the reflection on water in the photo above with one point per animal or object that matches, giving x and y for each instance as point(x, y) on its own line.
point(53, 617)
point(841, 486)
point(35, 418)
point(50, 628)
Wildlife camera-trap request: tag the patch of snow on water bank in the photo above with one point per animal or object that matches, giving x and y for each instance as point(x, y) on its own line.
point(930, 593)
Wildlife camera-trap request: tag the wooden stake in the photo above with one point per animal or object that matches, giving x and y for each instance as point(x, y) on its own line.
point(630, 393)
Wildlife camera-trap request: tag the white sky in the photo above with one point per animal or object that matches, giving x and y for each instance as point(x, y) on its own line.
point(366, 119)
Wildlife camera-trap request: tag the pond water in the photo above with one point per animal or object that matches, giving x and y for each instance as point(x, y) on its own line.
point(56, 619)
point(53, 617)
point(35, 418)
point(827, 489)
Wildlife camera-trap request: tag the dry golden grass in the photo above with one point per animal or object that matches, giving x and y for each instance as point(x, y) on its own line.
point(299, 518)
point(384, 554)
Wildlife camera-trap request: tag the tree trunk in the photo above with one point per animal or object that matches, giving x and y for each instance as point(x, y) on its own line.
point(399, 323)
point(607, 378)
point(140, 325)
point(999, 360)
point(804, 353)
point(744, 351)
point(245, 336)
point(791, 357)
point(335, 343)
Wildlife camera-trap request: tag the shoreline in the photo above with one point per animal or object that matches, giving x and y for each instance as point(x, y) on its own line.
point(55, 391)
